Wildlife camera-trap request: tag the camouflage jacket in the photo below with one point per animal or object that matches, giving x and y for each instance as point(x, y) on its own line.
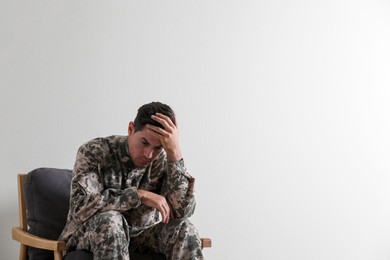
point(105, 178)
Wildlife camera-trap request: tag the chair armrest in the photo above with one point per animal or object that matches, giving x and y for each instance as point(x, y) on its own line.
point(28, 239)
point(206, 242)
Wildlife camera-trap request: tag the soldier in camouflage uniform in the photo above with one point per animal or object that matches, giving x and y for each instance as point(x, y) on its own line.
point(133, 193)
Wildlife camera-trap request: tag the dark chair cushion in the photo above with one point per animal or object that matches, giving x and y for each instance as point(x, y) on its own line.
point(86, 255)
point(47, 202)
point(47, 192)
point(79, 255)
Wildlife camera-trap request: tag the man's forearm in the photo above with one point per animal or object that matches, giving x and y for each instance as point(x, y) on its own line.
point(179, 189)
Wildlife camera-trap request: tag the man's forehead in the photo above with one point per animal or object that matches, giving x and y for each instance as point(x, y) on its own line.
point(152, 140)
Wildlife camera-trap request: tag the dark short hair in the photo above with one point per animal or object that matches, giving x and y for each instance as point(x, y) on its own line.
point(146, 111)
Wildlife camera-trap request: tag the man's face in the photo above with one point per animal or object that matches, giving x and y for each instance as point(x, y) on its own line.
point(143, 147)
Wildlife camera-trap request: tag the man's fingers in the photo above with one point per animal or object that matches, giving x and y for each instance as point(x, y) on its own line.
point(156, 201)
point(157, 130)
point(163, 119)
point(163, 216)
point(159, 133)
point(165, 212)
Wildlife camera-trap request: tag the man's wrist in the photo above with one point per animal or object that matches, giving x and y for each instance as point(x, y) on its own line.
point(141, 194)
point(174, 157)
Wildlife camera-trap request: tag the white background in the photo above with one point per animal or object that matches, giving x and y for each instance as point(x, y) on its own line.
point(283, 108)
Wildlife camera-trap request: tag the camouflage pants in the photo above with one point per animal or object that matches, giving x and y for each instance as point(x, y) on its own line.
point(106, 235)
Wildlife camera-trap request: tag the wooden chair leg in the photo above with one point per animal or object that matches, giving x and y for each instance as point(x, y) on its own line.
point(206, 242)
point(57, 255)
point(22, 252)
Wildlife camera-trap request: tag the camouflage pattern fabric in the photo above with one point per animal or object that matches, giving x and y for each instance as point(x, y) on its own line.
point(178, 239)
point(105, 210)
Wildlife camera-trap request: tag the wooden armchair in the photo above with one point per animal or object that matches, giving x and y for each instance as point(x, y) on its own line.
point(26, 239)
point(22, 235)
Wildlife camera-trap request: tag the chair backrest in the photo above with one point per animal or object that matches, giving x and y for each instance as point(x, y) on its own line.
point(44, 205)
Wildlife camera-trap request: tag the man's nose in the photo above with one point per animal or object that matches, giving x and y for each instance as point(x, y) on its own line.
point(148, 153)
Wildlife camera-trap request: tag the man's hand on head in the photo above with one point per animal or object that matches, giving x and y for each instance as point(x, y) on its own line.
point(168, 136)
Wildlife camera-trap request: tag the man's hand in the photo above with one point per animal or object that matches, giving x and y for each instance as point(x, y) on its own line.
point(169, 136)
point(158, 202)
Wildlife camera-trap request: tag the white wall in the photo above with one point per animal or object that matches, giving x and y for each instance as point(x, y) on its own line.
point(283, 108)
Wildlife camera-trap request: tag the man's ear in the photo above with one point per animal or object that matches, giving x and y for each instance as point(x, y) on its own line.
point(131, 128)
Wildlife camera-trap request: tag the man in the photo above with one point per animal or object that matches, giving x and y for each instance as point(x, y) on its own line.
point(133, 193)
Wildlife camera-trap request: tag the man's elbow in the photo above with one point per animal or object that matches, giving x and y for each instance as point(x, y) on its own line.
point(187, 211)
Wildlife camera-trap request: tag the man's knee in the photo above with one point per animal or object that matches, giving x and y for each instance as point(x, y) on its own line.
point(110, 223)
point(183, 229)
point(108, 236)
point(184, 239)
